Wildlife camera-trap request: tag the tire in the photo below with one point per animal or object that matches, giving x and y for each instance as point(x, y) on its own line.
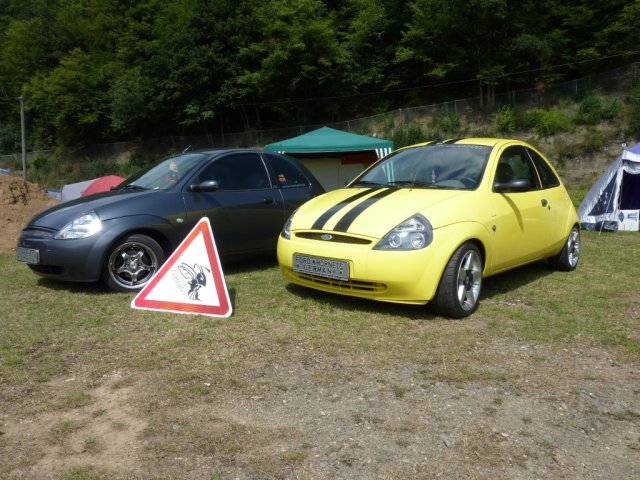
point(568, 258)
point(132, 262)
point(458, 293)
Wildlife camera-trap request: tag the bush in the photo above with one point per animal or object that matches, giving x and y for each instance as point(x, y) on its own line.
point(592, 111)
point(594, 142)
point(407, 135)
point(547, 122)
point(634, 111)
point(447, 125)
point(505, 120)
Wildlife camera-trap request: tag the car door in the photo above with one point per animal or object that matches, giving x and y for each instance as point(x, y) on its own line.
point(295, 187)
point(522, 217)
point(246, 211)
point(560, 205)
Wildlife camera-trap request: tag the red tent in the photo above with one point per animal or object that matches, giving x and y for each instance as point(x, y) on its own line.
point(102, 184)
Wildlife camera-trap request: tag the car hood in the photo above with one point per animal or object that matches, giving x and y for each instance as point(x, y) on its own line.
point(108, 205)
point(373, 212)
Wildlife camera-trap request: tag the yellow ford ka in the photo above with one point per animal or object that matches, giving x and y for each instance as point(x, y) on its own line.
point(427, 223)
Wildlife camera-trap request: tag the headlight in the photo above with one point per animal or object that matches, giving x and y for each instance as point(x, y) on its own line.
point(82, 227)
point(412, 234)
point(286, 231)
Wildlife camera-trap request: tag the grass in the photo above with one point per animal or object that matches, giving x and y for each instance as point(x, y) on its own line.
point(172, 367)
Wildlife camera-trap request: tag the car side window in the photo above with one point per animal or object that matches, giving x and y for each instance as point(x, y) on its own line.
point(288, 175)
point(244, 171)
point(547, 175)
point(514, 164)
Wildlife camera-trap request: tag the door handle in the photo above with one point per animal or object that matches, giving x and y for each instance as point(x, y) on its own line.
point(544, 202)
point(269, 200)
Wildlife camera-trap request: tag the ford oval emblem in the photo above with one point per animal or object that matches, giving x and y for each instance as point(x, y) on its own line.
point(326, 236)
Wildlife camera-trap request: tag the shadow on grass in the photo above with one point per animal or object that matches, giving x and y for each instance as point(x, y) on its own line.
point(94, 288)
point(250, 263)
point(491, 287)
point(514, 279)
point(363, 305)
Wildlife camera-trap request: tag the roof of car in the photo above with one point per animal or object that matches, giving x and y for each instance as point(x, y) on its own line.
point(488, 141)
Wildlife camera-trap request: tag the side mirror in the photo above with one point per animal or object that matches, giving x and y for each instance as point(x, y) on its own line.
point(206, 186)
point(519, 185)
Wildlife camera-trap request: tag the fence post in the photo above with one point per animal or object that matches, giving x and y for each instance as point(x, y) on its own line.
point(24, 139)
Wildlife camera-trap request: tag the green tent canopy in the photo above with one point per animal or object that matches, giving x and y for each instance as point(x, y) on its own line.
point(326, 139)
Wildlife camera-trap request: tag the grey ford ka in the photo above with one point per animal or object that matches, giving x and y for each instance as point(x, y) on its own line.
point(123, 236)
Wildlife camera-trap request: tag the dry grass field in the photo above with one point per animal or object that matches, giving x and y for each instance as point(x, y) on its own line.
point(542, 382)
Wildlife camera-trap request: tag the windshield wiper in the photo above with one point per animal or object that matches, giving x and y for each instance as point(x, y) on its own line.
point(131, 186)
point(415, 183)
point(365, 183)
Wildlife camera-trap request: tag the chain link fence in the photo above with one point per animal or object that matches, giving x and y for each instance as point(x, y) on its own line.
point(382, 125)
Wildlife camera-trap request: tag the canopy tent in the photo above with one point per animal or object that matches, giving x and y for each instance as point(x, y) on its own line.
point(613, 203)
point(328, 139)
point(334, 156)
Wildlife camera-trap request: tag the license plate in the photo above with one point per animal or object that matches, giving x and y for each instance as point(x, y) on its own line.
point(322, 267)
point(28, 255)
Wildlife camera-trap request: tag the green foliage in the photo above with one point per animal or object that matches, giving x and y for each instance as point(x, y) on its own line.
point(547, 122)
point(446, 125)
point(96, 71)
point(593, 143)
point(405, 135)
point(634, 110)
point(505, 121)
point(593, 111)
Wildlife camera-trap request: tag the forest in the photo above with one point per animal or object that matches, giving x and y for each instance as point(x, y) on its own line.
point(92, 71)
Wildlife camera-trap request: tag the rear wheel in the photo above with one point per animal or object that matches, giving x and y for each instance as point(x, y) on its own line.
point(132, 262)
point(567, 259)
point(459, 290)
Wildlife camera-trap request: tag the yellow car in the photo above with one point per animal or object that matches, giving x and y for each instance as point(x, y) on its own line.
point(428, 222)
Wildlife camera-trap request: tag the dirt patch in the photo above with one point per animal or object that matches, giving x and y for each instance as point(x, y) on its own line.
point(97, 428)
point(19, 201)
point(319, 417)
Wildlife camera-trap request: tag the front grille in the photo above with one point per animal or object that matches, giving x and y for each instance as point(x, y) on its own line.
point(339, 285)
point(38, 232)
point(336, 238)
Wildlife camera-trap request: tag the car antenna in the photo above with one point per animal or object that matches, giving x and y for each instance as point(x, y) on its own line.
point(187, 149)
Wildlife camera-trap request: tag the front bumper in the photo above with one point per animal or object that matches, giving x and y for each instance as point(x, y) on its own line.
point(410, 277)
point(70, 260)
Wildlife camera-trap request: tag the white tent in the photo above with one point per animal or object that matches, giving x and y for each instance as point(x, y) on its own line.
point(613, 203)
point(74, 190)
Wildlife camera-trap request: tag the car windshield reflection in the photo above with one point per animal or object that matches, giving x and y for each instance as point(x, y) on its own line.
point(455, 166)
point(165, 174)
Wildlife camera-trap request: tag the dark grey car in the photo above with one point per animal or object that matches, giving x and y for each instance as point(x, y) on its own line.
point(124, 235)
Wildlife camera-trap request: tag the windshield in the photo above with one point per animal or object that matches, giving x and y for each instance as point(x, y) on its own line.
point(165, 174)
point(450, 166)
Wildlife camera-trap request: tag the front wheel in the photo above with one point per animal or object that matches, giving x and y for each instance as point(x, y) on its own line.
point(132, 262)
point(459, 290)
point(567, 259)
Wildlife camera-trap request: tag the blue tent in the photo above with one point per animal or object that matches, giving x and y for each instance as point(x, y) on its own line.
point(613, 203)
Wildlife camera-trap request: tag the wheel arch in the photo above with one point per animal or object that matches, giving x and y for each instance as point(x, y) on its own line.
point(155, 228)
point(453, 237)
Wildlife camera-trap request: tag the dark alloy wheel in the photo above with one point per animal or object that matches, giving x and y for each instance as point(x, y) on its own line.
point(132, 262)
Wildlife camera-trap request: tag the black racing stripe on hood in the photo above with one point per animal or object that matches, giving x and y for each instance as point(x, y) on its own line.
point(324, 218)
point(345, 222)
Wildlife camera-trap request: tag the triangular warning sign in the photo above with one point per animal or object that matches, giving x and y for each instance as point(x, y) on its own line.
point(191, 280)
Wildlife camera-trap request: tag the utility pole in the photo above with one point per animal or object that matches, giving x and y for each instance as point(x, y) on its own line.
point(24, 139)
